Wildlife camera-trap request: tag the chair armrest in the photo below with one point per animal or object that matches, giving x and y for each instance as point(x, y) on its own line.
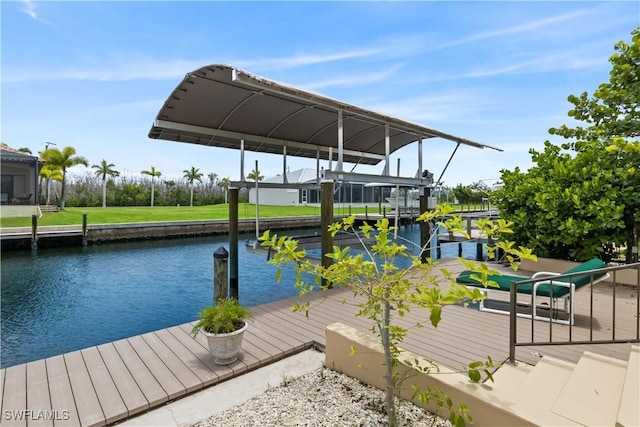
point(544, 274)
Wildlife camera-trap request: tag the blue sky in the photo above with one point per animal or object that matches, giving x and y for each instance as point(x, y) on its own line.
point(93, 75)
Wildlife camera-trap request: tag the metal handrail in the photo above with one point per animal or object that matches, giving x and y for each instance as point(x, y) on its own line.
point(513, 341)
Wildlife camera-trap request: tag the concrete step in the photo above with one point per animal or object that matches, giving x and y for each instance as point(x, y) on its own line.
point(629, 412)
point(591, 395)
point(539, 391)
point(507, 380)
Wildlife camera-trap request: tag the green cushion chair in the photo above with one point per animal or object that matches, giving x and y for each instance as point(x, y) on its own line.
point(542, 284)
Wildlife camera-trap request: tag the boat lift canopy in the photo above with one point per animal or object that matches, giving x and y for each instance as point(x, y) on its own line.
point(223, 106)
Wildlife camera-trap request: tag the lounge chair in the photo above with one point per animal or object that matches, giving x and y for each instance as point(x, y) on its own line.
point(553, 289)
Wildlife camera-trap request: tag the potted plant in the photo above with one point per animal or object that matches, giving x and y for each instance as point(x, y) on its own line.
point(223, 324)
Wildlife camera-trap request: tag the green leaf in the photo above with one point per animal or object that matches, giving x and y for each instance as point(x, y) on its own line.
point(435, 316)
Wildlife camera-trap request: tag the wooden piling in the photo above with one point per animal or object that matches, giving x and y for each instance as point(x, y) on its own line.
point(220, 274)
point(326, 219)
point(34, 232)
point(233, 243)
point(84, 230)
point(425, 227)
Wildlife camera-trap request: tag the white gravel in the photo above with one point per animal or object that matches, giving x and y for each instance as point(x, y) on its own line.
point(320, 398)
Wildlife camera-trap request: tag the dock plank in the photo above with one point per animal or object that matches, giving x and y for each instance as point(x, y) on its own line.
point(256, 351)
point(187, 378)
point(14, 403)
point(89, 411)
point(281, 324)
point(261, 339)
point(131, 395)
point(62, 399)
point(169, 383)
point(289, 320)
point(38, 400)
point(286, 341)
point(149, 386)
point(205, 375)
point(110, 400)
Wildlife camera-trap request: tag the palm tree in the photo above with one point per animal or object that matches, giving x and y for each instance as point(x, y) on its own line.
point(254, 175)
point(153, 173)
point(192, 175)
point(224, 183)
point(103, 170)
point(63, 160)
point(213, 177)
point(48, 173)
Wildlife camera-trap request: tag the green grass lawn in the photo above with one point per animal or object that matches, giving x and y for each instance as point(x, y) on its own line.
point(116, 215)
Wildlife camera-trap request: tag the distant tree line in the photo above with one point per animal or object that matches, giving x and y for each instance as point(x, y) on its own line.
point(107, 187)
point(121, 190)
point(466, 195)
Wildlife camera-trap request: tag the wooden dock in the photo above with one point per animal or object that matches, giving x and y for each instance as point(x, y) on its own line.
point(108, 383)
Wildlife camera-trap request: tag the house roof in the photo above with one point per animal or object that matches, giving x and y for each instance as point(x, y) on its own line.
point(300, 176)
point(8, 154)
point(219, 105)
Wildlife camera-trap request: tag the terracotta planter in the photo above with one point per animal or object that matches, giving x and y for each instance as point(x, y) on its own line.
point(225, 348)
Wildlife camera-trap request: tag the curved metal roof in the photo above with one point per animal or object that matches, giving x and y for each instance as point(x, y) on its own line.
point(219, 105)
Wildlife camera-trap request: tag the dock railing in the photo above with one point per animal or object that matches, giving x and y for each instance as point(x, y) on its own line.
point(567, 338)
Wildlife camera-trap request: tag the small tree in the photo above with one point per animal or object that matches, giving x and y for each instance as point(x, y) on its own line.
point(387, 291)
point(63, 159)
point(104, 170)
point(153, 173)
point(254, 175)
point(464, 194)
point(224, 183)
point(192, 175)
point(49, 173)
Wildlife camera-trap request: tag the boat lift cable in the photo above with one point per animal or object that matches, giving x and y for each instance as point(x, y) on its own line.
point(447, 165)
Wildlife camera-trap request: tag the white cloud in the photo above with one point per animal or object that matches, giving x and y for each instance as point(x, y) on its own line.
point(283, 63)
point(523, 28)
point(115, 69)
point(30, 9)
point(351, 80)
point(438, 107)
point(137, 67)
point(544, 62)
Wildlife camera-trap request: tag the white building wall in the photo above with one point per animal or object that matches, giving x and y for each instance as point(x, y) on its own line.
point(275, 196)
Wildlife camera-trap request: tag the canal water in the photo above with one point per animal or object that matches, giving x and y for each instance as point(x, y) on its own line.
point(64, 299)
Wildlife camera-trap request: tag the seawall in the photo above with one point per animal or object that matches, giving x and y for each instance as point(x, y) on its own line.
point(20, 238)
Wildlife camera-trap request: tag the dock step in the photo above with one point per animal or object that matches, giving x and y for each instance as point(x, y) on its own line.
point(628, 412)
point(597, 391)
point(591, 395)
point(539, 391)
point(508, 379)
